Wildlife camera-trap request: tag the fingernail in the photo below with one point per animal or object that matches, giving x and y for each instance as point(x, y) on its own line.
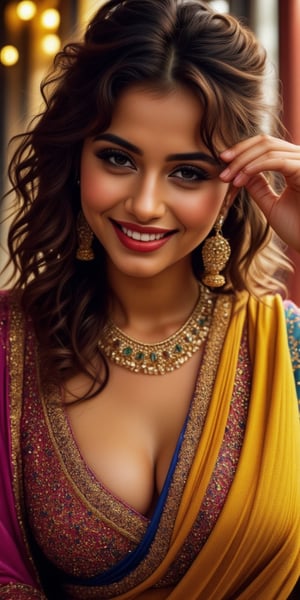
point(225, 174)
point(227, 154)
point(239, 179)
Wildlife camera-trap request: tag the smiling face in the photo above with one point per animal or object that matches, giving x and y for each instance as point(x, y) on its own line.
point(150, 189)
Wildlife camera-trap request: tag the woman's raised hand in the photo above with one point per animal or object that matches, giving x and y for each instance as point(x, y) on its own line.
point(249, 161)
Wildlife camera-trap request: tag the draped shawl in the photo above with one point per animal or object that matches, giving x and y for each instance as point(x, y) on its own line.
point(253, 551)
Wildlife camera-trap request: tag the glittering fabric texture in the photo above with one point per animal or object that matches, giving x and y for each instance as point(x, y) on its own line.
point(292, 314)
point(79, 526)
point(223, 473)
point(15, 591)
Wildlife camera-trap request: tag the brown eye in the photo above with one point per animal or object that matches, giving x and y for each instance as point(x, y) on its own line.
point(115, 158)
point(189, 173)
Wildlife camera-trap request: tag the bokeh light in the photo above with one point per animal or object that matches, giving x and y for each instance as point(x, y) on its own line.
point(51, 44)
point(9, 55)
point(220, 6)
point(50, 18)
point(26, 10)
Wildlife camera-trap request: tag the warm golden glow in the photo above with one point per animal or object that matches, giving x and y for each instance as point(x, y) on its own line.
point(9, 55)
point(50, 18)
point(51, 44)
point(26, 10)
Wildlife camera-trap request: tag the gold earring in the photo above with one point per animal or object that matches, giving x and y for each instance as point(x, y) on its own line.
point(215, 253)
point(85, 238)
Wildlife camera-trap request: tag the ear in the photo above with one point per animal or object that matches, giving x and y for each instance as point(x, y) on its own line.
point(229, 198)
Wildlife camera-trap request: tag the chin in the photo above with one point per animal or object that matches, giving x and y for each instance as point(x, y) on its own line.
point(138, 270)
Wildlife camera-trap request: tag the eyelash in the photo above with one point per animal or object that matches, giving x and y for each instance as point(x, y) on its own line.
point(200, 174)
point(107, 154)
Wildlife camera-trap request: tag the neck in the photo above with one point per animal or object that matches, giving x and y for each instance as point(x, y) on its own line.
point(153, 307)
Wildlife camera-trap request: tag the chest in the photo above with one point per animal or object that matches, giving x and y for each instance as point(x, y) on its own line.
point(128, 433)
point(67, 503)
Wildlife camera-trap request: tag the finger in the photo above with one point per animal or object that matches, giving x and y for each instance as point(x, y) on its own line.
point(287, 164)
point(261, 143)
point(262, 193)
point(253, 157)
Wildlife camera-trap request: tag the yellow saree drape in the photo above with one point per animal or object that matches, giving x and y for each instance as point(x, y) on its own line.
point(253, 552)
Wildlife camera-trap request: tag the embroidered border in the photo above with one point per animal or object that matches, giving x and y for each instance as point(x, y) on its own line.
point(90, 491)
point(222, 475)
point(196, 419)
point(16, 371)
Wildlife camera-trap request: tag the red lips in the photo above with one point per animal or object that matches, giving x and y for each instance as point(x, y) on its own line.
point(141, 239)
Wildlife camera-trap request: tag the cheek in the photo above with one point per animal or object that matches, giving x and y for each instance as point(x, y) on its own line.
point(98, 191)
point(98, 188)
point(199, 212)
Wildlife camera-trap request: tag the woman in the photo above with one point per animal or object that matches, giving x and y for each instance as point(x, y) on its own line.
point(149, 422)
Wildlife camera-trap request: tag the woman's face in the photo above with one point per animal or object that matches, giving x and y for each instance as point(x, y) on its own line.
point(150, 189)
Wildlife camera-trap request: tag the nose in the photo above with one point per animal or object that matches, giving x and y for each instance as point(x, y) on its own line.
point(146, 201)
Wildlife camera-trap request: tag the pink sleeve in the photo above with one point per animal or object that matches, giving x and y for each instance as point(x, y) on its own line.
point(16, 573)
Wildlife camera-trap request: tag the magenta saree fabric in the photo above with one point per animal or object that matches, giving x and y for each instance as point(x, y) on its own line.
point(14, 566)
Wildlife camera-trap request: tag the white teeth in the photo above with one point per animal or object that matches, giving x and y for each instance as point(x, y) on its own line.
point(142, 237)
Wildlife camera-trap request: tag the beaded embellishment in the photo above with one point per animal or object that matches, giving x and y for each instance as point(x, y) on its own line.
point(161, 357)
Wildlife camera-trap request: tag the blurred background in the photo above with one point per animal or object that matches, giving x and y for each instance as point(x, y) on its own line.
point(31, 32)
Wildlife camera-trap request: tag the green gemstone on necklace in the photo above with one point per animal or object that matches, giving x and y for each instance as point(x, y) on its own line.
point(161, 357)
point(127, 351)
point(201, 322)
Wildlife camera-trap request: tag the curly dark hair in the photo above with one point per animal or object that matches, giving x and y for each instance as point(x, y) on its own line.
point(157, 43)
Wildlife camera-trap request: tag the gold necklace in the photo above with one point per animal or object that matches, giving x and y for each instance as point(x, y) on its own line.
point(161, 357)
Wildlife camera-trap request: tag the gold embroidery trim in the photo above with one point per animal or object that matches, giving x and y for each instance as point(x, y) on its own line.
point(196, 419)
point(90, 492)
point(16, 371)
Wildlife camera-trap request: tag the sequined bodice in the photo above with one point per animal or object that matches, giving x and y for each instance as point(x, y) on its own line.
point(80, 526)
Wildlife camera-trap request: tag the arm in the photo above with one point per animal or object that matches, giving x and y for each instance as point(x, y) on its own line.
point(17, 579)
point(247, 164)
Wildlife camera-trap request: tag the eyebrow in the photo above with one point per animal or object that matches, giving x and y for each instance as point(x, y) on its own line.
point(115, 139)
point(194, 156)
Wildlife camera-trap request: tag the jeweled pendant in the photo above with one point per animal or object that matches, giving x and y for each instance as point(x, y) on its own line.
point(165, 356)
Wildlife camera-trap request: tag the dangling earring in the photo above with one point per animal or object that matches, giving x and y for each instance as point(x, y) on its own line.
point(215, 253)
point(85, 238)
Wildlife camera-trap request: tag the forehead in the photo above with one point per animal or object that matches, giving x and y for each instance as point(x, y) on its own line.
point(143, 111)
point(179, 100)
